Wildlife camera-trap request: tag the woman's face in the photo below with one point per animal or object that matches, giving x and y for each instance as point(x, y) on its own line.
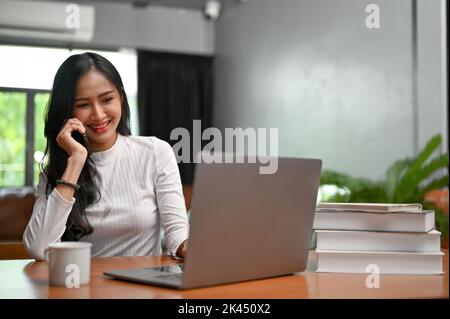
point(98, 106)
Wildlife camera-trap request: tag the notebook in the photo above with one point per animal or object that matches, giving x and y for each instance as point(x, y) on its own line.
point(370, 207)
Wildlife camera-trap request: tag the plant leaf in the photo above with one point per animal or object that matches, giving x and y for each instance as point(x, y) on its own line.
point(394, 175)
point(442, 223)
point(435, 184)
point(329, 177)
point(432, 167)
point(415, 167)
point(361, 189)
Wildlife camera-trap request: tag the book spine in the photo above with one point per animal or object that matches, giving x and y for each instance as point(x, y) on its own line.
point(378, 241)
point(413, 264)
point(374, 222)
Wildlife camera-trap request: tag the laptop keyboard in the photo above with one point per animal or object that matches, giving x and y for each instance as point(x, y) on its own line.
point(172, 275)
point(172, 271)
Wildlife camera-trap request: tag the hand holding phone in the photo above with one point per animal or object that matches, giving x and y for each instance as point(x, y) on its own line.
point(82, 139)
point(70, 138)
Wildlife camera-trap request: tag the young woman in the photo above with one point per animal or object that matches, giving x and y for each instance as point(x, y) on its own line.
point(109, 188)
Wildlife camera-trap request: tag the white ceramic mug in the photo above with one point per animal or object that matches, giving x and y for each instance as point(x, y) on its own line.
point(69, 263)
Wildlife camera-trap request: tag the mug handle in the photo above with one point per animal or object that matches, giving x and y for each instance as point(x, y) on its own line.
point(46, 254)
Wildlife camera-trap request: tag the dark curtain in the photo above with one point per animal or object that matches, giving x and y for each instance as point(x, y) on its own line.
point(174, 90)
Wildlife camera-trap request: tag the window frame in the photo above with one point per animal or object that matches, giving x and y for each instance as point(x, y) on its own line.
point(29, 129)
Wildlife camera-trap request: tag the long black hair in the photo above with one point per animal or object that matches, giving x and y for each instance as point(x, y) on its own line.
point(59, 109)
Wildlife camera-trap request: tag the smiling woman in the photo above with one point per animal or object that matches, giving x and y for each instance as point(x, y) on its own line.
point(117, 194)
point(22, 76)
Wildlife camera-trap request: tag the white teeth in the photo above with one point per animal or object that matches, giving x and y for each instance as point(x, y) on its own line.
point(100, 126)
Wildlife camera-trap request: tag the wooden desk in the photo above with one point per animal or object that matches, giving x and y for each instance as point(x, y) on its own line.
point(29, 279)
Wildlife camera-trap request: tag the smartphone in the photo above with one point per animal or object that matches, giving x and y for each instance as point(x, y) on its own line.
point(83, 140)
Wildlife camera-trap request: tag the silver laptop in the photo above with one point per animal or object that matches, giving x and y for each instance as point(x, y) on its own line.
point(244, 225)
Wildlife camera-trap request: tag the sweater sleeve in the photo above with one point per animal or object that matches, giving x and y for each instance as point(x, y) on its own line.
point(48, 220)
point(169, 196)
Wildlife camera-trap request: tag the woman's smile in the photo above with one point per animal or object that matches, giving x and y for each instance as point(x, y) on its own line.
point(100, 128)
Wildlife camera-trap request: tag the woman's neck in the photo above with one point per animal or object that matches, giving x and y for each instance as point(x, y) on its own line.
point(100, 147)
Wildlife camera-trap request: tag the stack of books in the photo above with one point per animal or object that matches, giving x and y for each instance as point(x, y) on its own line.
point(396, 238)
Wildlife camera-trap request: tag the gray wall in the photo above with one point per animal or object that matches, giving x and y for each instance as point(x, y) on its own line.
point(335, 89)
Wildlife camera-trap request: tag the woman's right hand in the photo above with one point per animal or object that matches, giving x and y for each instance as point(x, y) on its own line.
point(68, 143)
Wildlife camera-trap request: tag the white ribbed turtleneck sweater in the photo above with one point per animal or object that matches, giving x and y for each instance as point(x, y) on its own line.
point(140, 191)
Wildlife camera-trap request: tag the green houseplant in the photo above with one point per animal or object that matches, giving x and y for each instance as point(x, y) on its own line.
point(406, 181)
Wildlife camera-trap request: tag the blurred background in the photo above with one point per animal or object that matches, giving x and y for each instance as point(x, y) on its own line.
point(364, 90)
